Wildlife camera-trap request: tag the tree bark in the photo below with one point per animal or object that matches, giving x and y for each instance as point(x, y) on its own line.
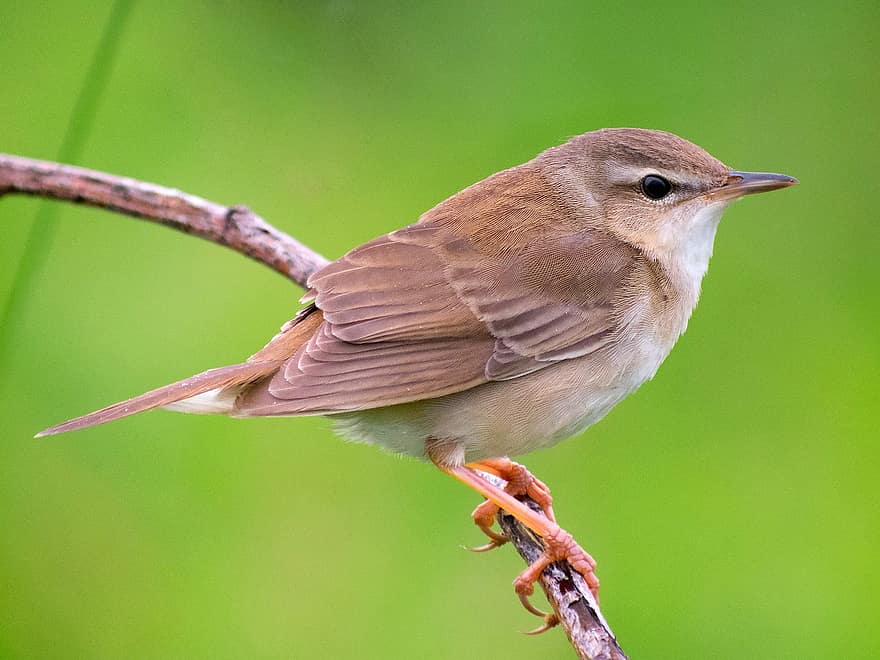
point(240, 229)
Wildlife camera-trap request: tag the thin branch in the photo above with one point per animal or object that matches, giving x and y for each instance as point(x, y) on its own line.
point(567, 592)
point(240, 229)
point(236, 227)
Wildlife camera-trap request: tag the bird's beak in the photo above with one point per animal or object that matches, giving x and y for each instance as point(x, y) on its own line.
point(746, 183)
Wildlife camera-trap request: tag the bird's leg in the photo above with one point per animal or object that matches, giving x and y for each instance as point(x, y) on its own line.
point(519, 482)
point(558, 544)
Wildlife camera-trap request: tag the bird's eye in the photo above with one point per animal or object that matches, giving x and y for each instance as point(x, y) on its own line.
point(655, 187)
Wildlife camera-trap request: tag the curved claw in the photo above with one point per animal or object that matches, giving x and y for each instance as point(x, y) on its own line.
point(550, 621)
point(491, 545)
point(499, 539)
point(526, 603)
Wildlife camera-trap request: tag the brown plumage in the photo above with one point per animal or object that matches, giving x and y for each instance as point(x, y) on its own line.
point(512, 315)
point(551, 261)
point(232, 378)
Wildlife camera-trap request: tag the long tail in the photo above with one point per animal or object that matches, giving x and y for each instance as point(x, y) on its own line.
point(236, 374)
point(226, 381)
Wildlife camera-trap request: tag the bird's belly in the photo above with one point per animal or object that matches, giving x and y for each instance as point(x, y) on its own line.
point(545, 407)
point(511, 417)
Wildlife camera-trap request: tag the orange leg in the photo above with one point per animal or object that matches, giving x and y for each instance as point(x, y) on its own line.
point(558, 544)
point(519, 482)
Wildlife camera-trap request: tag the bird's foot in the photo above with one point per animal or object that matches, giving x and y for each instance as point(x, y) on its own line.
point(559, 545)
point(520, 482)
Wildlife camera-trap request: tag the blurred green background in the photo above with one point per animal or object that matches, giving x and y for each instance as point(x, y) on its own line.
point(732, 503)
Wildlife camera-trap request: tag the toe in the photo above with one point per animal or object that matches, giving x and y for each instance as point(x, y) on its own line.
point(550, 621)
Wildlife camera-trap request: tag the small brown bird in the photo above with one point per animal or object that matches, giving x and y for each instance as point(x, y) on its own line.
point(510, 316)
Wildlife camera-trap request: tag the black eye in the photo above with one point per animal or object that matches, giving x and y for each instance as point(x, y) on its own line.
point(655, 187)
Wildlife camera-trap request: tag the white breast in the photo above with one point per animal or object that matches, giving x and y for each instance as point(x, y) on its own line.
point(686, 247)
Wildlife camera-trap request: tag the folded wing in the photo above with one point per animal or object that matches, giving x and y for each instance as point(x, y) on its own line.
point(420, 313)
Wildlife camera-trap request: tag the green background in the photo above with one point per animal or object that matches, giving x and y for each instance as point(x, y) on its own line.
point(732, 503)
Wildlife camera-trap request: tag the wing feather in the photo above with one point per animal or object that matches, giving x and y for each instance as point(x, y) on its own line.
point(423, 312)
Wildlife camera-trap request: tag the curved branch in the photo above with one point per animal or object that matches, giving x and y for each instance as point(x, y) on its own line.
point(240, 229)
point(236, 227)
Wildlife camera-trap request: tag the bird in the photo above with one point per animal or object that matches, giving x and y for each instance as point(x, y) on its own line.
point(512, 315)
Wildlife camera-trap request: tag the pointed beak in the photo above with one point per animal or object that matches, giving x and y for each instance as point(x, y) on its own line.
point(746, 183)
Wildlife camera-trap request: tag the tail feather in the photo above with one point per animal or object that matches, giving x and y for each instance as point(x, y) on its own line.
point(222, 377)
point(219, 386)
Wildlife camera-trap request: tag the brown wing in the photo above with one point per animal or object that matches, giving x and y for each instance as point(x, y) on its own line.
point(553, 300)
point(401, 324)
point(424, 312)
point(394, 288)
point(394, 331)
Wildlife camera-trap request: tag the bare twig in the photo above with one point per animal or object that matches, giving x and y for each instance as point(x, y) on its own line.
point(567, 592)
point(240, 229)
point(236, 227)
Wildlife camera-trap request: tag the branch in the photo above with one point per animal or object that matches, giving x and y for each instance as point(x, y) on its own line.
point(236, 227)
point(240, 229)
point(568, 594)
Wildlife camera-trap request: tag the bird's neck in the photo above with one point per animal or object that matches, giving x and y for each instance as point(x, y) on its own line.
point(682, 260)
point(694, 251)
